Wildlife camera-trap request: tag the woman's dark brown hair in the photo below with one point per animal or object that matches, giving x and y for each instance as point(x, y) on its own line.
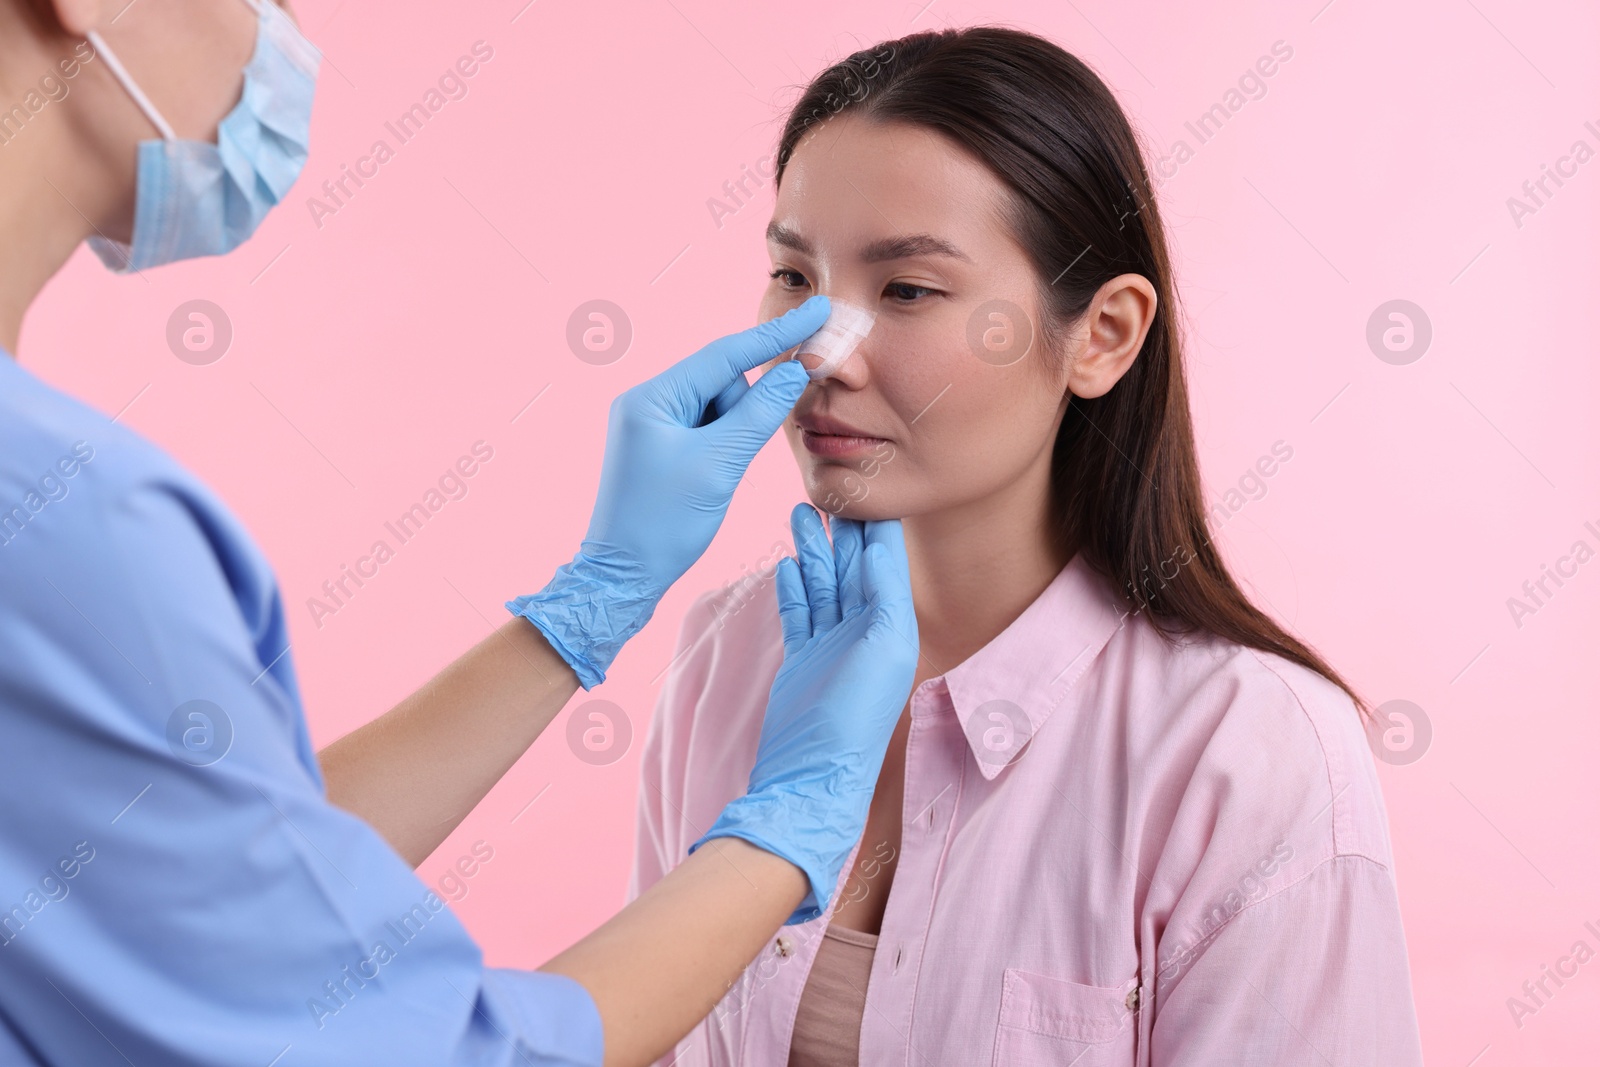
point(1125, 482)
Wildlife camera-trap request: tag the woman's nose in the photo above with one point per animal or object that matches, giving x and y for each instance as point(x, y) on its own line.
point(811, 362)
point(828, 351)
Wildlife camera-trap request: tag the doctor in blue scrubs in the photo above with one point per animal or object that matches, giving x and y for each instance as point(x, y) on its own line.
point(183, 880)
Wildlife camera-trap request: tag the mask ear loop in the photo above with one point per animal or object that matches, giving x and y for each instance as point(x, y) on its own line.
point(120, 72)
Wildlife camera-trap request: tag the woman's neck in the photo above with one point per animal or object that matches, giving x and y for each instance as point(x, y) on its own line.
point(976, 567)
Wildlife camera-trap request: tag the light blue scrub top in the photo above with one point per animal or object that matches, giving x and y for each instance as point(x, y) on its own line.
point(159, 912)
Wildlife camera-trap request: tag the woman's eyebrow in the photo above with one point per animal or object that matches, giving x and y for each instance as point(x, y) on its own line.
point(780, 234)
point(903, 246)
point(910, 246)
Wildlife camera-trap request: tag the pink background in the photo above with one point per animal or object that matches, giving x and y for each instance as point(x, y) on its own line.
point(372, 351)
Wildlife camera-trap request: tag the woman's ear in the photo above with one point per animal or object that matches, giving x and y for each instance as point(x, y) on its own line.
point(1113, 332)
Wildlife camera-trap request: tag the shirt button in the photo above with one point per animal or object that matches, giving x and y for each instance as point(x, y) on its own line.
point(785, 945)
point(1133, 999)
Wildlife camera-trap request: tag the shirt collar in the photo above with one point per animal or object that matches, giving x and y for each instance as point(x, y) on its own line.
point(1005, 692)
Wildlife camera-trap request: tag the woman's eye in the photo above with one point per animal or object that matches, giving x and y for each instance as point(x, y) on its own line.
point(791, 279)
point(906, 293)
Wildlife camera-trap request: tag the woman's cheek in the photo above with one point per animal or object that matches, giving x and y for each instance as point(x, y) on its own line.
point(775, 302)
point(919, 380)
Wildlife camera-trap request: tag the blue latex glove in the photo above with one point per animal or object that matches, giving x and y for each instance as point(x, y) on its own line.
point(849, 657)
point(676, 448)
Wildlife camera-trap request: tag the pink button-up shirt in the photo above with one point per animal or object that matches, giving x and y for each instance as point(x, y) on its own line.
point(1115, 850)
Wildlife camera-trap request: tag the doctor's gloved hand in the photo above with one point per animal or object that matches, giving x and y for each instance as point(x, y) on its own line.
point(676, 448)
point(849, 657)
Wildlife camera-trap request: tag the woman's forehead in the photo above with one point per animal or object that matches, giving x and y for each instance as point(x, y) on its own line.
point(866, 182)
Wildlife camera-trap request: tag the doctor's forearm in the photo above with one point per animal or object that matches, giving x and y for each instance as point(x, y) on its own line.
point(415, 772)
point(663, 962)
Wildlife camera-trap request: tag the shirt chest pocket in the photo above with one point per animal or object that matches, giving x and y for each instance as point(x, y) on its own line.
point(1046, 1020)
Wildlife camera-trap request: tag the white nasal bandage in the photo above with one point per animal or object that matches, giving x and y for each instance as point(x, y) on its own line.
point(847, 325)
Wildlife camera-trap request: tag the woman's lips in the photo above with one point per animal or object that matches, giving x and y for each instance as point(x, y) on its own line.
point(830, 444)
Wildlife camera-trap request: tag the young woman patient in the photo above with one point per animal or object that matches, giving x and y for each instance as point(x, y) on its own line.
point(1126, 818)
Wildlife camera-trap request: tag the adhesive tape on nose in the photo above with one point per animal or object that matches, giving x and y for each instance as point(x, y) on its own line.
point(845, 329)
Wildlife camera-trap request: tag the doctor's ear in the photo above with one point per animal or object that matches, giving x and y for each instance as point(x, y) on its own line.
point(1110, 334)
point(75, 18)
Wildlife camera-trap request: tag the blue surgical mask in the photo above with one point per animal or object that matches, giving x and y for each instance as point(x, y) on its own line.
point(195, 198)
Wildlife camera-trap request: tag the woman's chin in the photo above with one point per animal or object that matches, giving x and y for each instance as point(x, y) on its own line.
point(879, 492)
point(865, 510)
